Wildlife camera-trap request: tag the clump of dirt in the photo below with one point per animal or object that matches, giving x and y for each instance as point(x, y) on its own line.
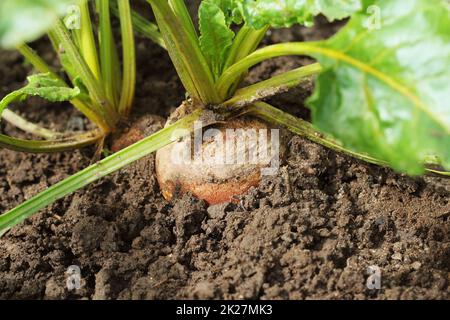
point(311, 231)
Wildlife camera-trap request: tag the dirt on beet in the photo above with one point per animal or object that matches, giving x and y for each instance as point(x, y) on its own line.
point(312, 231)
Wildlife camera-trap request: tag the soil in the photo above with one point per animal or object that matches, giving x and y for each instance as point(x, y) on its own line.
point(311, 232)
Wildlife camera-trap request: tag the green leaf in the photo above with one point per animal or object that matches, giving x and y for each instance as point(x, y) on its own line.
point(232, 10)
point(337, 9)
point(386, 89)
point(278, 14)
point(285, 13)
point(216, 36)
point(45, 86)
point(26, 20)
point(49, 88)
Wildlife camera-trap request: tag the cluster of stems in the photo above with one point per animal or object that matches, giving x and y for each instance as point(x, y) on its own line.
point(89, 55)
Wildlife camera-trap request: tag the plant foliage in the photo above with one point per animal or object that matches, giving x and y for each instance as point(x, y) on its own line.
point(27, 20)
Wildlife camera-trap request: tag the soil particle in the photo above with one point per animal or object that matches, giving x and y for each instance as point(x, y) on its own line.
point(311, 231)
point(189, 214)
point(91, 234)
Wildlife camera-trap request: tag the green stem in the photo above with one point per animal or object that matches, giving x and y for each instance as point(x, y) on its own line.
point(178, 61)
point(305, 129)
point(184, 49)
point(50, 146)
point(65, 62)
point(38, 63)
point(87, 42)
point(129, 58)
point(182, 14)
point(146, 28)
point(438, 173)
point(108, 53)
point(142, 26)
point(100, 102)
point(233, 73)
point(92, 115)
point(100, 170)
point(41, 66)
point(238, 42)
point(273, 86)
point(246, 42)
point(29, 127)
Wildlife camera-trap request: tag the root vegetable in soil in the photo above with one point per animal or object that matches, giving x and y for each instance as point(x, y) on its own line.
point(373, 100)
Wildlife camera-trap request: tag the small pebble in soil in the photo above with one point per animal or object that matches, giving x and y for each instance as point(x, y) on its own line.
point(397, 256)
point(416, 265)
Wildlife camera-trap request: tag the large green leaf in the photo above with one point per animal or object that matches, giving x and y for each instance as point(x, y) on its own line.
point(285, 13)
point(278, 14)
point(44, 86)
point(386, 91)
point(337, 9)
point(26, 20)
point(216, 35)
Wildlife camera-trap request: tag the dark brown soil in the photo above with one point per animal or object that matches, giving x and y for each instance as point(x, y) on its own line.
point(310, 232)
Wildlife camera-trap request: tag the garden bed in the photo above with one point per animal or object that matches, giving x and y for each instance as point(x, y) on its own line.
point(310, 232)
